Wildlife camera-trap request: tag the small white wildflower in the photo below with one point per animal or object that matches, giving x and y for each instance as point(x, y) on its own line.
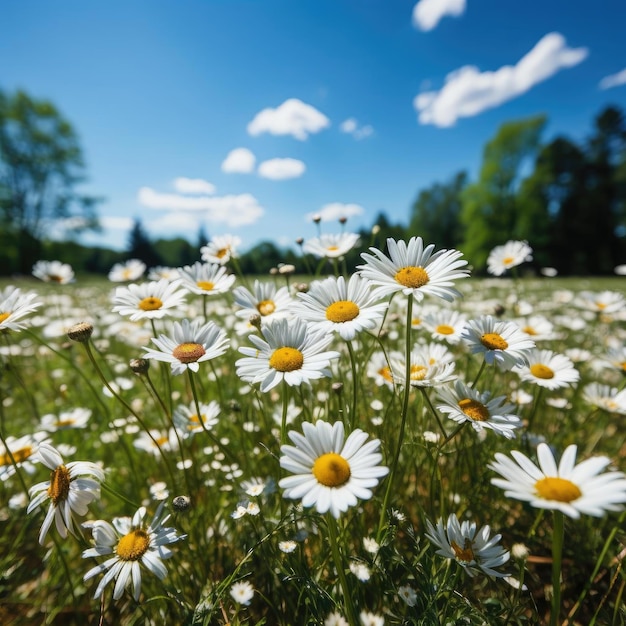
point(408, 595)
point(360, 570)
point(287, 546)
point(371, 545)
point(242, 592)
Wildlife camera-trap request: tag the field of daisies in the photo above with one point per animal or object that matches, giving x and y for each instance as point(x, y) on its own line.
point(405, 444)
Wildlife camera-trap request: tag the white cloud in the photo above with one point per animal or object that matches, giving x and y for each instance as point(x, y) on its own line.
point(427, 13)
point(351, 127)
point(292, 117)
point(239, 161)
point(232, 210)
point(333, 211)
point(113, 222)
point(194, 186)
point(468, 91)
point(281, 169)
point(348, 126)
point(614, 80)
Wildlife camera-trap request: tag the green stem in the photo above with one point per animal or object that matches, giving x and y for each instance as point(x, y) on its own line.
point(558, 533)
point(531, 419)
point(343, 581)
point(434, 412)
point(480, 371)
point(355, 388)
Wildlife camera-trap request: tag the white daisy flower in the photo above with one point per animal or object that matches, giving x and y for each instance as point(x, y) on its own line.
point(367, 618)
point(331, 246)
point(602, 302)
point(474, 550)
point(188, 422)
point(346, 308)
point(329, 473)
point(408, 595)
point(133, 545)
point(206, 279)
point(498, 341)
point(414, 269)
point(265, 300)
point(426, 369)
point(538, 327)
point(569, 488)
point(511, 254)
point(152, 300)
point(14, 305)
point(445, 325)
point(20, 452)
point(132, 269)
point(161, 272)
point(188, 344)
point(605, 397)
point(220, 249)
point(360, 570)
point(379, 368)
point(71, 488)
point(288, 351)
point(76, 418)
point(288, 546)
point(548, 369)
point(335, 619)
point(465, 404)
point(53, 272)
point(155, 441)
point(242, 592)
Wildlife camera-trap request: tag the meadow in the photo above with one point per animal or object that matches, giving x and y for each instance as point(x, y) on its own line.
point(204, 478)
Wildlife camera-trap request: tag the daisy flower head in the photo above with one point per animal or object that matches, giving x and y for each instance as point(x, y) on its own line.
point(472, 548)
point(206, 279)
point(465, 404)
point(414, 269)
point(569, 488)
point(66, 420)
point(346, 308)
point(71, 488)
point(330, 246)
point(498, 341)
point(548, 369)
point(161, 272)
point(14, 305)
point(133, 544)
point(605, 397)
point(511, 254)
point(408, 595)
point(445, 325)
point(151, 300)
point(288, 350)
point(367, 618)
point(132, 269)
point(602, 303)
point(242, 592)
point(538, 327)
point(329, 471)
point(425, 371)
point(19, 452)
point(379, 368)
point(220, 249)
point(335, 619)
point(265, 300)
point(53, 272)
point(188, 344)
point(188, 422)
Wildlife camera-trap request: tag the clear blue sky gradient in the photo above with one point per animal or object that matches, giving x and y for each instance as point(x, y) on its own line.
point(161, 89)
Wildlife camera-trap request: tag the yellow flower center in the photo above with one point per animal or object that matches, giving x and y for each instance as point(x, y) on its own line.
point(4, 316)
point(55, 278)
point(59, 484)
point(222, 252)
point(150, 304)
point(507, 260)
point(206, 285)
point(411, 276)
point(493, 341)
point(529, 330)
point(418, 372)
point(286, 359)
point(464, 554)
point(188, 352)
point(332, 248)
point(539, 370)
point(601, 305)
point(342, 311)
point(623, 365)
point(385, 372)
point(62, 423)
point(134, 545)
point(559, 489)
point(416, 321)
point(444, 329)
point(18, 455)
point(266, 307)
point(474, 410)
point(331, 470)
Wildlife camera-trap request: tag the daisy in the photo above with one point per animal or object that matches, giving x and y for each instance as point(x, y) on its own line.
point(378, 368)
point(132, 269)
point(425, 370)
point(264, 300)
point(335, 619)
point(188, 344)
point(569, 488)
point(161, 272)
point(367, 618)
point(20, 452)
point(242, 592)
point(206, 279)
point(603, 302)
point(71, 488)
point(221, 249)
point(155, 441)
point(288, 351)
point(328, 472)
point(14, 305)
point(53, 272)
point(538, 328)
point(76, 418)
point(465, 404)
point(345, 308)
point(331, 246)
point(445, 325)
point(511, 254)
point(133, 544)
point(414, 269)
point(408, 595)
point(548, 369)
point(474, 550)
point(499, 341)
point(187, 421)
point(152, 300)
point(605, 397)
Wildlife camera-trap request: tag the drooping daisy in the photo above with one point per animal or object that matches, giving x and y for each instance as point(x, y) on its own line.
point(498, 341)
point(221, 249)
point(132, 269)
point(265, 300)
point(53, 272)
point(511, 254)
point(133, 544)
point(465, 404)
point(605, 397)
point(76, 418)
point(187, 344)
point(152, 300)
point(445, 325)
point(345, 308)
point(288, 351)
point(206, 279)
point(414, 269)
point(14, 305)
point(328, 472)
point(21, 451)
point(569, 488)
point(331, 246)
point(71, 488)
point(188, 422)
point(548, 369)
point(473, 549)
point(242, 592)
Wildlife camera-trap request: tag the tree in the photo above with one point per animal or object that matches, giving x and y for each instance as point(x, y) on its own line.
point(141, 247)
point(41, 164)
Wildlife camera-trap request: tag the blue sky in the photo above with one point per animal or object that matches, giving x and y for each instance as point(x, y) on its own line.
point(249, 117)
